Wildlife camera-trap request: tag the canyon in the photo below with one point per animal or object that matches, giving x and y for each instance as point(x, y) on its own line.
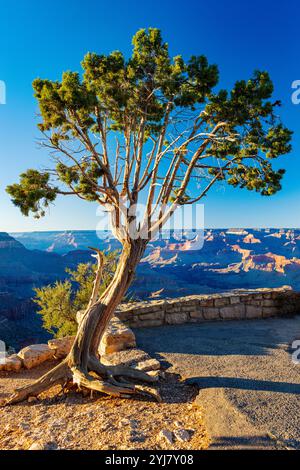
point(174, 265)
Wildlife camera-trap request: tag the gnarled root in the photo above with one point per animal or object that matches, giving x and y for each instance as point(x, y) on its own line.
point(115, 381)
point(60, 374)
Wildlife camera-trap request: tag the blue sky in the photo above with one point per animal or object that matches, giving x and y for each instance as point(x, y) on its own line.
point(44, 39)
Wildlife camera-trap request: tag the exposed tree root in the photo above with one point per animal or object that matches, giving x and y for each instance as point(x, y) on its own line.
point(60, 374)
point(115, 381)
point(120, 371)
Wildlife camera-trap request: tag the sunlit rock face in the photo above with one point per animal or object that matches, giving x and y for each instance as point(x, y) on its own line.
point(250, 238)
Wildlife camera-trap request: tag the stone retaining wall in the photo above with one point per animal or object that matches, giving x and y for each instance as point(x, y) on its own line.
point(233, 305)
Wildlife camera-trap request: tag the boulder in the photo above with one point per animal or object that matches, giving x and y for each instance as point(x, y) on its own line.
point(135, 358)
point(129, 358)
point(61, 346)
point(11, 363)
point(35, 355)
point(117, 337)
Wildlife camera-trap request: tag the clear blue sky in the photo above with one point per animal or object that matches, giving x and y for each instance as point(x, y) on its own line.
point(44, 38)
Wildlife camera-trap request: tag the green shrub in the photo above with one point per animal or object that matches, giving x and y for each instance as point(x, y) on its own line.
point(59, 303)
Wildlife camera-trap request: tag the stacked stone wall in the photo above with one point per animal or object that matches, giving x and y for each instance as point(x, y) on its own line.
point(233, 305)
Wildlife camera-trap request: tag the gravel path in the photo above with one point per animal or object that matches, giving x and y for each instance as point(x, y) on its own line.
point(248, 384)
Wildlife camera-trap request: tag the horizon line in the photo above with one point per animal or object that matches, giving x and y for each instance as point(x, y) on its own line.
point(192, 229)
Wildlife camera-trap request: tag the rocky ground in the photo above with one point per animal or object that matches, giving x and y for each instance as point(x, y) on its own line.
point(99, 422)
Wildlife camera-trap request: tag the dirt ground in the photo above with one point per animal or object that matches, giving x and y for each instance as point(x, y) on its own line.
point(100, 423)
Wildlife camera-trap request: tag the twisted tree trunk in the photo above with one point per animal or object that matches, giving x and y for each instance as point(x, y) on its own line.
point(83, 357)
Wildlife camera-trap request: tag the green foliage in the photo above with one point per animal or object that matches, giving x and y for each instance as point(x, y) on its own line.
point(56, 308)
point(181, 199)
point(264, 180)
point(247, 105)
point(59, 303)
point(33, 193)
point(118, 94)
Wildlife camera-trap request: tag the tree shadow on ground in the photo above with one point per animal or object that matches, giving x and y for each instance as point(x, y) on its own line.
point(244, 442)
point(247, 337)
point(253, 443)
point(244, 384)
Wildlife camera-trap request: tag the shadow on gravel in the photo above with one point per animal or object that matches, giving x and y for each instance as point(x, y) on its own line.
point(255, 338)
point(244, 384)
point(245, 442)
point(253, 443)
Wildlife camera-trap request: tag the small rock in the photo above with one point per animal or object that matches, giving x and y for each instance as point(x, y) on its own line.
point(58, 423)
point(32, 399)
point(148, 365)
point(135, 434)
point(156, 373)
point(42, 418)
point(137, 437)
point(124, 422)
point(36, 446)
point(166, 435)
point(41, 445)
point(182, 435)
point(133, 423)
point(178, 424)
point(24, 426)
point(105, 427)
point(6, 442)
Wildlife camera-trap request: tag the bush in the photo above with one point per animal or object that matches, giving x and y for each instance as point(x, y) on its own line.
point(59, 303)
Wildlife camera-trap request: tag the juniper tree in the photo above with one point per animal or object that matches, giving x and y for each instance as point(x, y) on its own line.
point(146, 128)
